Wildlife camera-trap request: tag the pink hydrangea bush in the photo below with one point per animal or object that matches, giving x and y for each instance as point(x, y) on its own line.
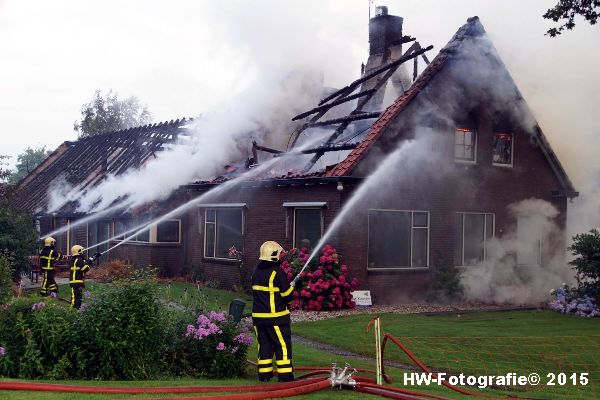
point(324, 285)
point(215, 346)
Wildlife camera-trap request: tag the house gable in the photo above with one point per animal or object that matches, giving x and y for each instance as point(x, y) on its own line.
point(466, 77)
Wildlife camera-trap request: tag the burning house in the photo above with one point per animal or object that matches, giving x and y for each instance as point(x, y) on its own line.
point(402, 170)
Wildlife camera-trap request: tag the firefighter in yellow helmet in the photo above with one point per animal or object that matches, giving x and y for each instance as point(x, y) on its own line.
point(48, 257)
point(79, 267)
point(271, 295)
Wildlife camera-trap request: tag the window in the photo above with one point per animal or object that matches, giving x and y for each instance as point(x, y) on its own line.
point(99, 232)
point(398, 239)
point(465, 145)
point(308, 226)
point(502, 153)
point(168, 231)
point(472, 232)
point(164, 232)
point(223, 229)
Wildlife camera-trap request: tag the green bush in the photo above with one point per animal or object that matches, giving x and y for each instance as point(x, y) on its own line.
point(121, 332)
point(215, 346)
point(446, 284)
point(586, 249)
point(5, 279)
point(37, 338)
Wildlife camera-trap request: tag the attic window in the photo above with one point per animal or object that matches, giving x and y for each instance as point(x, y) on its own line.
point(502, 153)
point(465, 145)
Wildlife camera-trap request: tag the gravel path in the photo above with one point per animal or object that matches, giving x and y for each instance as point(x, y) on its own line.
point(412, 308)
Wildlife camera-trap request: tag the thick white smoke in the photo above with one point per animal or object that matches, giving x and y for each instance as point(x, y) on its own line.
point(522, 265)
point(263, 112)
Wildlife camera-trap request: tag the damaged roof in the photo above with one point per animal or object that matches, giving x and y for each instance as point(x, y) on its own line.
point(472, 28)
point(86, 162)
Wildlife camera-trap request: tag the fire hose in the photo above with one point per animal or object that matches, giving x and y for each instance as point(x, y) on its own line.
point(51, 387)
point(424, 368)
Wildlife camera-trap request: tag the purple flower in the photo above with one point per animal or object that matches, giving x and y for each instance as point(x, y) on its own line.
point(234, 350)
point(38, 306)
point(220, 317)
point(87, 294)
point(3, 351)
point(53, 295)
point(203, 320)
point(221, 346)
point(190, 330)
point(244, 339)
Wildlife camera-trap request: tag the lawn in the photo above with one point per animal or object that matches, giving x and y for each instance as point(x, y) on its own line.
point(489, 343)
point(188, 294)
point(483, 343)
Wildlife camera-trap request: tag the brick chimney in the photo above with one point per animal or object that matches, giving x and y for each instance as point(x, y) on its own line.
point(384, 31)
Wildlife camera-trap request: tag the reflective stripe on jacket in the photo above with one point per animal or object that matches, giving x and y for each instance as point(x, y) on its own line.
point(271, 293)
point(79, 268)
point(48, 257)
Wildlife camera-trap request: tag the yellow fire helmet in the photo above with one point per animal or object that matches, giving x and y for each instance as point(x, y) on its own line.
point(49, 241)
point(270, 251)
point(77, 250)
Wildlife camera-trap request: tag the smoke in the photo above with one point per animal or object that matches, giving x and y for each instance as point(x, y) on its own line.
point(262, 113)
point(524, 264)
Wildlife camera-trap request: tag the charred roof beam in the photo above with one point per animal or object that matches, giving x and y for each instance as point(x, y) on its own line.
point(393, 64)
point(328, 106)
point(350, 118)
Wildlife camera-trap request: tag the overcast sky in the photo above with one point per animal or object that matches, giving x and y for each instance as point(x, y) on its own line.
point(182, 58)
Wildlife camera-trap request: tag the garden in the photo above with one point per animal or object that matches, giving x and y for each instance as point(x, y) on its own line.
point(137, 330)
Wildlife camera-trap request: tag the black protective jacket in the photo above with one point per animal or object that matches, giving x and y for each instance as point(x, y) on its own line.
point(271, 294)
point(79, 267)
point(48, 257)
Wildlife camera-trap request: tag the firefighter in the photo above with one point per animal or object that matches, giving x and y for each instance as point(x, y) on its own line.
point(271, 294)
point(48, 257)
point(79, 267)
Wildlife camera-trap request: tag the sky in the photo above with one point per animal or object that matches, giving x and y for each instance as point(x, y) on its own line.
point(182, 58)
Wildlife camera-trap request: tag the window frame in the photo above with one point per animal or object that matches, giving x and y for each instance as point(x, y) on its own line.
point(485, 238)
point(412, 227)
point(110, 233)
point(512, 150)
point(205, 222)
point(475, 134)
point(322, 222)
point(152, 233)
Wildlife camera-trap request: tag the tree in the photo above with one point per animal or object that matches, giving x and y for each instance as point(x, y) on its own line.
point(586, 249)
point(27, 161)
point(18, 237)
point(109, 113)
point(568, 9)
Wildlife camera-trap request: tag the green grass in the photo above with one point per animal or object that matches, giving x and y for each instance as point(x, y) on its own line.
point(480, 343)
point(477, 343)
point(187, 294)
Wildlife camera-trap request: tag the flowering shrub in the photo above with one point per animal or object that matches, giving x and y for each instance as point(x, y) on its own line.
point(216, 346)
point(324, 285)
point(38, 339)
point(568, 301)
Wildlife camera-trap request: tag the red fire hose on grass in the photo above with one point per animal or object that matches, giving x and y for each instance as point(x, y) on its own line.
point(424, 368)
point(51, 387)
point(305, 388)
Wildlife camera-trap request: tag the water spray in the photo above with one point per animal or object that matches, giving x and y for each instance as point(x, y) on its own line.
point(367, 186)
point(214, 191)
point(89, 218)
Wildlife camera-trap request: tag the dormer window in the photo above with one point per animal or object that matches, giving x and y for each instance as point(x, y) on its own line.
point(502, 152)
point(465, 145)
